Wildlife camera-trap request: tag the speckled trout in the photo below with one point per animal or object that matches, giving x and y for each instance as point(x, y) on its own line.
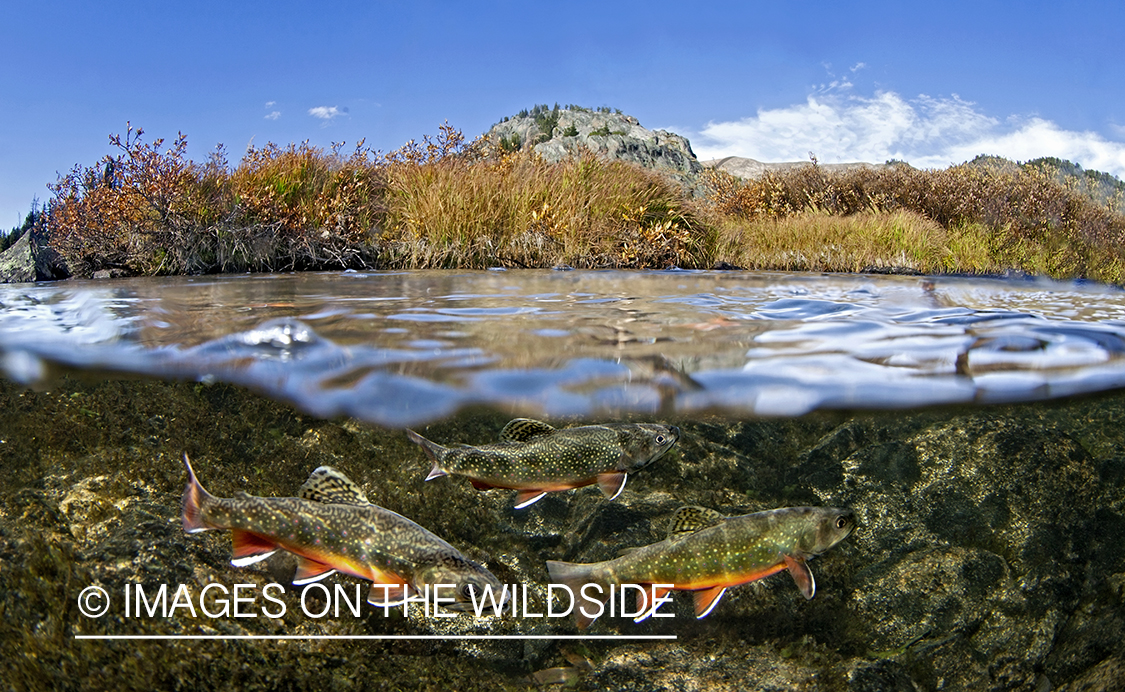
point(332, 527)
point(708, 553)
point(536, 458)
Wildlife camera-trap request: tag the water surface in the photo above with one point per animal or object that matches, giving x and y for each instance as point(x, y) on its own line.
point(404, 348)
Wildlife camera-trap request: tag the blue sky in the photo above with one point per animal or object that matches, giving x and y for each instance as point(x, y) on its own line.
point(933, 83)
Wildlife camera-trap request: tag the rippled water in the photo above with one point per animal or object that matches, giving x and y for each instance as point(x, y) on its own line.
point(403, 348)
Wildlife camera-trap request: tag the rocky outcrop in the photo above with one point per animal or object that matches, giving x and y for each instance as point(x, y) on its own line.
point(558, 134)
point(29, 259)
point(743, 167)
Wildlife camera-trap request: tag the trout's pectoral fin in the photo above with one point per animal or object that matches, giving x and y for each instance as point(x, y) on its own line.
point(612, 483)
point(249, 548)
point(706, 600)
point(309, 571)
point(528, 497)
point(388, 595)
point(802, 575)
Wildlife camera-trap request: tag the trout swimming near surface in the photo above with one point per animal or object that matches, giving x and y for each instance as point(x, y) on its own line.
point(332, 527)
point(707, 553)
point(536, 458)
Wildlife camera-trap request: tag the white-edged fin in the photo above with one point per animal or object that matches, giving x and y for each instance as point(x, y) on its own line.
point(329, 486)
point(388, 595)
point(524, 429)
point(436, 472)
point(248, 560)
point(612, 483)
point(248, 548)
point(802, 575)
point(642, 602)
point(309, 571)
point(526, 498)
point(706, 600)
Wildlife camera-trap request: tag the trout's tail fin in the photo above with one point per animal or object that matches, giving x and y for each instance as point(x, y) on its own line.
point(588, 604)
point(433, 450)
point(194, 498)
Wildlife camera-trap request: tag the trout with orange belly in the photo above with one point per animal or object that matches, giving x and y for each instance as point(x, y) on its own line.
point(332, 527)
point(708, 553)
point(536, 458)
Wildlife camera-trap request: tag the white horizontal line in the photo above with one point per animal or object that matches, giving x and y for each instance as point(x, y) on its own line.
point(375, 636)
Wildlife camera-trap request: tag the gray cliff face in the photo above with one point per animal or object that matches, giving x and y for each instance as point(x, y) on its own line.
point(610, 135)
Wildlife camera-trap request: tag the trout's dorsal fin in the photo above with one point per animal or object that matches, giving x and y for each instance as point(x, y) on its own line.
point(524, 429)
point(329, 486)
point(690, 519)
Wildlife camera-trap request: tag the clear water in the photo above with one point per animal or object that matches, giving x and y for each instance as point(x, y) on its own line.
point(399, 349)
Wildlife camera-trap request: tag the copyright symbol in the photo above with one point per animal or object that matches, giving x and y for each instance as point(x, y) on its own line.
point(93, 602)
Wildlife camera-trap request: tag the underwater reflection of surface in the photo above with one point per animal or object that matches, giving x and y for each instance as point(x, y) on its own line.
point(401, 348)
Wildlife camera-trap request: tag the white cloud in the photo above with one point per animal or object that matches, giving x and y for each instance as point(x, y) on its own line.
point(273, 115)
point(327, 112)
point(925, 131)
point(271, 104)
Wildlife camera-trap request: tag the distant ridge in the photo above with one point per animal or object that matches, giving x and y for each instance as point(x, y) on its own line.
point(751, 168)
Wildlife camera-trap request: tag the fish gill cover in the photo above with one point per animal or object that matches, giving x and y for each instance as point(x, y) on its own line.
point(401, 349)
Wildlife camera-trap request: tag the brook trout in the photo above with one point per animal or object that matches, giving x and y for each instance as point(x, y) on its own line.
point(332, 527)
point(536, 458)
point(707, 553)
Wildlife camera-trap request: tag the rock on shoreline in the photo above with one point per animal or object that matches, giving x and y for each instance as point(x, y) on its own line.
point(30, 259)
point(569, 131)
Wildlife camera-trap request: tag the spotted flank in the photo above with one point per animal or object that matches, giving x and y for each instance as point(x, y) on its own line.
point(332, 527)
point(707, 553)
point(535, 458)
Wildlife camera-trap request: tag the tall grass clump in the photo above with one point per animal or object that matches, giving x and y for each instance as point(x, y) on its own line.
point(976, 219)
point(474, 208)
point(302, 208)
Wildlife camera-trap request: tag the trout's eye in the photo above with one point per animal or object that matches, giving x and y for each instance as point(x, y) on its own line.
point(841, 522)
point(467, 591)
point(659, 439)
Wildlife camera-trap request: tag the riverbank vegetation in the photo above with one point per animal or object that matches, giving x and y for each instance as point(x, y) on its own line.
point(445, 202)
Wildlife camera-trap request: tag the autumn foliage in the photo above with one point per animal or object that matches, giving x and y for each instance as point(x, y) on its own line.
point(443, 202)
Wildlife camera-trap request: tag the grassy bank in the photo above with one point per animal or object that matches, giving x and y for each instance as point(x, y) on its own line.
point(443, 202)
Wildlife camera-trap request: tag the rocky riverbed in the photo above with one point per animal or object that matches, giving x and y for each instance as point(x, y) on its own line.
point(988, 554)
